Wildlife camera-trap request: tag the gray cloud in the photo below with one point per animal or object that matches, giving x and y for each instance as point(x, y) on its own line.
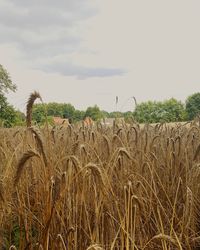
point(43, 30)
point(29, 14)
point(82, 72)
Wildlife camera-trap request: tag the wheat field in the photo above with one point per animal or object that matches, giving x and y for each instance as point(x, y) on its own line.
point(84, 188)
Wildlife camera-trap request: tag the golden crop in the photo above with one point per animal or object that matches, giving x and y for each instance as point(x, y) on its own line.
point(120, 187)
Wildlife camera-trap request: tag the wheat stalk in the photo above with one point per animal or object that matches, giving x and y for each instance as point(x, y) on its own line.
point(20, 166)
point(40, 141)
point(29, 107)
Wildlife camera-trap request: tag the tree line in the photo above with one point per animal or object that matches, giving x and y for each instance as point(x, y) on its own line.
point(68, 111)
point(170, 110)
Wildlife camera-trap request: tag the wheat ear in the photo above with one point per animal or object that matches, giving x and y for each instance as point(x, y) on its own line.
point(20, 166)
point(29, 107)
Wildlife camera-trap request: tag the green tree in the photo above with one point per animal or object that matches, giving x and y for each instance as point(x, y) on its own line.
point(152, 112)
point(6, 83)
point(174, 110)
point(78, 115)
point(8, 115)
point(68, 111)
point(54, 109)
point(145, 112)
point(63, 110)
point(128, 116)
point(193, 106)
point(39, 113)
point(94, 112)
point(105, 114)
point(20, 119)
point(116, 114)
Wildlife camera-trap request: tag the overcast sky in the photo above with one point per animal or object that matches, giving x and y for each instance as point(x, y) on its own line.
point(87, 52)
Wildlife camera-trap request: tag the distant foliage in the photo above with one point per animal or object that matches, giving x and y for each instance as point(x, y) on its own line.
point(94, 112)
point(115, 114)
point(39, 113)
point(78, 115)
point(153, 112)
point(193, 106)
point(63, 110)
point(128, 116)
point(170, 110)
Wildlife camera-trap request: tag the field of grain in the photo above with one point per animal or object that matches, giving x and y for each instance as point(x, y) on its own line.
point(79, 188)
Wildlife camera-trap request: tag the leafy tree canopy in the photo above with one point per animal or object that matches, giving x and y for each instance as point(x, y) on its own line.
point(94, 112)
point(116, 114)
point(8, 115)
point(64, 110)
point(153, 112)
point(78, 115)
point(170, 110)
point(6, 83)
point(193, 106)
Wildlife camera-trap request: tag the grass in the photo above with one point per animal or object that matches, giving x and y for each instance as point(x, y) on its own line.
point(80, 187)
